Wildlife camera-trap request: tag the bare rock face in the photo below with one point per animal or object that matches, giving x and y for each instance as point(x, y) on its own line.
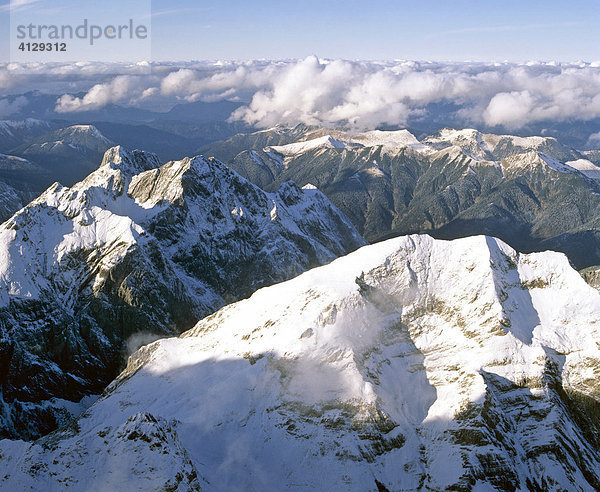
point(138, 250)
point(411, 364)
point(592, 276)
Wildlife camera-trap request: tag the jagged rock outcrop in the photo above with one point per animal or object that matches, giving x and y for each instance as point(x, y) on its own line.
point(592, 276)
point(138, 249)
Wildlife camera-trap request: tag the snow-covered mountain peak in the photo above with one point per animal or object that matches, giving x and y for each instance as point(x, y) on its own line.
point(326, 141)
point(390, 140)
point(483, 146)
point(194, 178)
point(129, 161)
point(10, 125)
point(493, 187)
point(83, 134)
point(453, 135)
point(409, 364)
point(471, 141)
point(78, 139)
point(138, 247)
point(413, 270)
point(91, 129)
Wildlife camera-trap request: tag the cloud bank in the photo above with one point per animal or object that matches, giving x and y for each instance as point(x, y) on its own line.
point(338, 92)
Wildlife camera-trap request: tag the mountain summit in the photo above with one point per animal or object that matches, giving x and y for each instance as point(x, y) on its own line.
point(138, 249)
point(411, 364)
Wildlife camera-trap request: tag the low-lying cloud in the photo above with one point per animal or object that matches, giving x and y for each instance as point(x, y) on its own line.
point(7, 107)
point(354, 94)
point(128, 89)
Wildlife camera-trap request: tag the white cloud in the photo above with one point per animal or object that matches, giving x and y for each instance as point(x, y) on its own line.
point(368, 95)
point(215, 83)
point(510, 109)
point(332, 92)
point(126, 89)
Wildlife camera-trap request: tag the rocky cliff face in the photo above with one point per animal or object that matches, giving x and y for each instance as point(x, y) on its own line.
point(412, 364)
point(138, 250)
point(592, 276)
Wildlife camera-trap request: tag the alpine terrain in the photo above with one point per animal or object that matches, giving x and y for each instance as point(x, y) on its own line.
point(135, 251)
point(20, 179)
point(411, 364)
point(532, 192)
point(10, 200)
point(68, 154)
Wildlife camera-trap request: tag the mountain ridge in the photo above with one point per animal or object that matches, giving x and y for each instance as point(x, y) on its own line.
point(355, 373)
point(137, 247)
point(531, 192)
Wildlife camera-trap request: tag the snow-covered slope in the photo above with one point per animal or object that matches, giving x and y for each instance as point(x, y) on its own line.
point(134, 248)
point(11, 126)
point(411, 364)
point(69, 154)
point(85, 138)
point(487, 146)
point(532, 192)
point(13, 132)
point(391, 140)
point(586, 167)
point(326, 142)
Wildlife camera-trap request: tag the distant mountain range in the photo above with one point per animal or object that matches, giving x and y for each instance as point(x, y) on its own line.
point(42, 157)
point(532, 192)
point(36, 153)
point(67, 154)
point(42, 106)
point(171, 134)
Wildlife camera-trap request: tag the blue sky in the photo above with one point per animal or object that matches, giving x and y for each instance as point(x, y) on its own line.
point(375, 29)
point(378, 29)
